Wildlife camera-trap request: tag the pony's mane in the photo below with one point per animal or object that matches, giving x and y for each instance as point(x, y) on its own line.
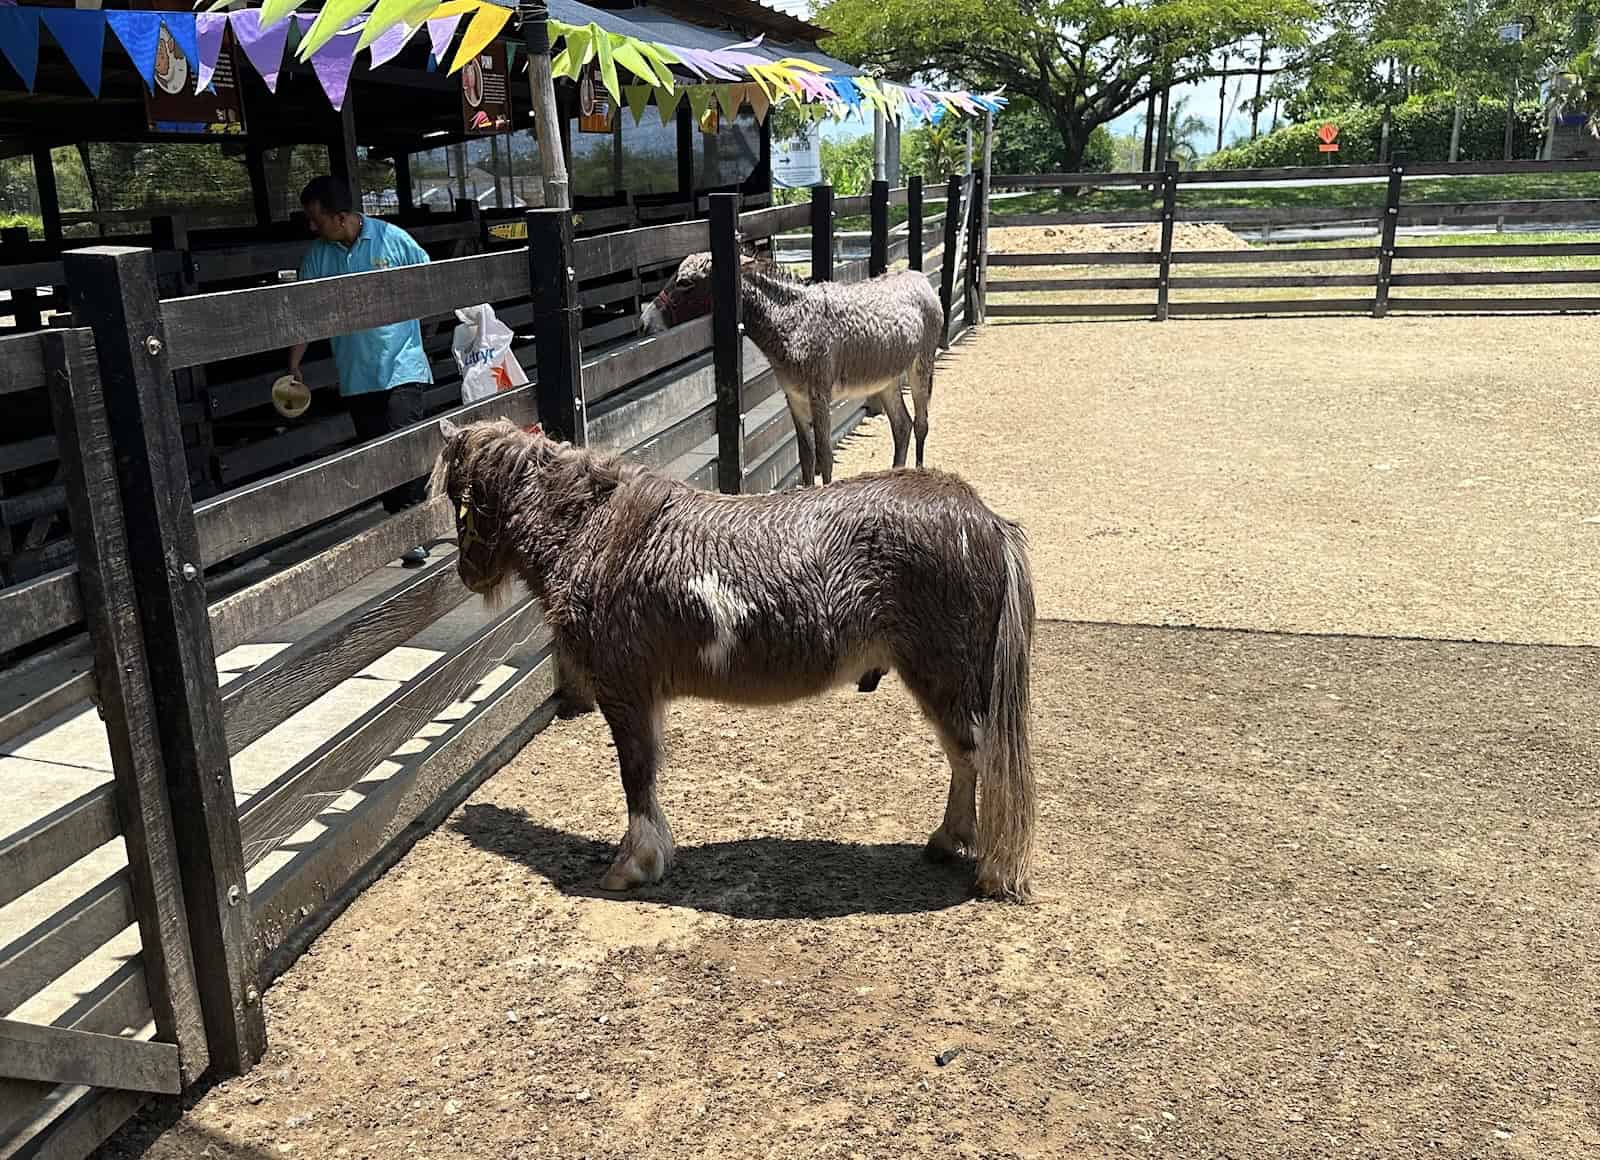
point(492, 455)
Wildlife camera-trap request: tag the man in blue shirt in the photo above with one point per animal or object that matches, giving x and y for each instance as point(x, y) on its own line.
point(383, 371)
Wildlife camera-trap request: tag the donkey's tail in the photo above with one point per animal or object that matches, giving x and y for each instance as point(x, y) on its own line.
point(1004, 759)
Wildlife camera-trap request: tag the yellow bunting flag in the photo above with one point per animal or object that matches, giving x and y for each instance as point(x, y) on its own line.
point(486, 25)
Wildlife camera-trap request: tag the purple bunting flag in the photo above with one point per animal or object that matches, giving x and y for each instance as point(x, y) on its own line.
point(263, 47)
point(208, 27)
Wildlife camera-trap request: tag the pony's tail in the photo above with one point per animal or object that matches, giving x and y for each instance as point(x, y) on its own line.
point(1006, 813)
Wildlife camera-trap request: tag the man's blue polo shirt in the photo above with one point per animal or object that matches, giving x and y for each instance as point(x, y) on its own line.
point(385, 356)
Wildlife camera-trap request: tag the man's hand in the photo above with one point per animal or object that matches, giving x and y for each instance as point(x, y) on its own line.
point(297, 352)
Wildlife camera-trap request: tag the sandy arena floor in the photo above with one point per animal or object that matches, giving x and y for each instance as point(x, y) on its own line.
point(1311, 890)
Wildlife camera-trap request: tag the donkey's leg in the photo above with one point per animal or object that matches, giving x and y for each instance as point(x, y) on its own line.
point(822, 435)
point(921, 392)
point(645, 852)
point(950, 700)
point(800, 412)
point(899, 421)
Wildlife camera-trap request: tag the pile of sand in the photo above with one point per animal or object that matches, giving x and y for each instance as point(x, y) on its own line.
point(1090, 239)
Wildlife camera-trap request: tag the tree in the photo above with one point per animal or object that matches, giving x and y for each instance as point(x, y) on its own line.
point(1081, 62)
point(1186, 133)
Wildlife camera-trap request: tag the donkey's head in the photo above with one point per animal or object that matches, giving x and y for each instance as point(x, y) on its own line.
point(688, 295)
point(476, 472)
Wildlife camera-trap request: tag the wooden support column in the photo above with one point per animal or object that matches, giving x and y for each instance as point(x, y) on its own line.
point(878, 257)
point(686, 129)
point(822, 233)
point(914, 222)
point(727, 341)
point(1169, 216)
point(342, 156)
point(557, 324)
point(402, 182)
point(124, 694)
point(972, 258)
point(255, 163)
point(1386, 232)
point(113, 292)
point(44, 175)
point(951, 260)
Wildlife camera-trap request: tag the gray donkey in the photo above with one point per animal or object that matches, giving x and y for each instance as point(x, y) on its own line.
point(655, 590)
point(826, 341)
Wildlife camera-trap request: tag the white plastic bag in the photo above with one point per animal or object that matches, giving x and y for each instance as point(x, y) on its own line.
point(482, 349)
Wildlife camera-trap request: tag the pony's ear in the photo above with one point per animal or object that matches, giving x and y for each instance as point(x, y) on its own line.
point(448, 429)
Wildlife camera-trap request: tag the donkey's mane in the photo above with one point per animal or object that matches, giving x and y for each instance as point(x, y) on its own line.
point(493, 457)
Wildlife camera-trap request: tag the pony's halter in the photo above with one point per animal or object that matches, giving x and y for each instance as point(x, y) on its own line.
point(470, 536)
point(692, 305)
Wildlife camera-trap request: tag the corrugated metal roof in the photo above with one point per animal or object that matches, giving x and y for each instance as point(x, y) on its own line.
point(669, 29)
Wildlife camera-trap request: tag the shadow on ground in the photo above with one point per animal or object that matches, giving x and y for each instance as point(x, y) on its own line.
point(751, 878)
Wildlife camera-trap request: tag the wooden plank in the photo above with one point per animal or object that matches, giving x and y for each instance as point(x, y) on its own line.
point(311, 785)
point(46, 847)
point(1086, 218)
point(665, 444)
point(261, 512)
point(251, 261)
point(31, 275)
point(628, 249)
point(31, 505)
point(273, 692)
point(37, 608)
point(1034, 285)
point(1281, 216)
point(37, 957)
point(594, 296)
point(126, 698)
point(1297, 173)
point(1266, 254)
point(207, 327)
point(609, 331)
point(653, 405)
point(390, 818)
point(1071, 309)
point(21, 363)
point(1515, 250)
point(73, 1124)
point(27, 453)
point(1496, 278)
point(1063, 180)
point(853, 206)
point(1278, 306)
point(779, 219)
point(113, 292)
point(61, 1055)
point(245, 614)
point(1266, 281)
point(615, 370)
point(1567, 209)
point(302, 441)
point(1095, 258)
point(1498, 168)
point(727, 329)
point(58, 694)
point(1489, 305)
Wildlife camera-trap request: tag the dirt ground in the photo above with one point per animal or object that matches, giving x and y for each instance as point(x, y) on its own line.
point(1306, 892)
point(1101, 239)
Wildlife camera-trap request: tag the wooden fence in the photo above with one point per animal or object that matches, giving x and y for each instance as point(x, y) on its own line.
point(1372, 291)
point(145, 905)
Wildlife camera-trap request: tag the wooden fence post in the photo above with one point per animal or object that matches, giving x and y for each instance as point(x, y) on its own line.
point(878, 257)
point(914, 222)
point(1386, 231)
point(1169, 216)
point(113, 291)
point(974, 254)
point(822, 233)
point(982, 295)
point(951, 259)
point(124, 694)
point(557, 324)
point(727, 341)
point(24, 299)
point(169, 233)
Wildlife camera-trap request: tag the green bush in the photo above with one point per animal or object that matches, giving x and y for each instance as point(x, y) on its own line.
point(1420, 129)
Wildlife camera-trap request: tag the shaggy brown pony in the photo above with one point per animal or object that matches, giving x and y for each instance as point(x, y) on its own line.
point(656, 590)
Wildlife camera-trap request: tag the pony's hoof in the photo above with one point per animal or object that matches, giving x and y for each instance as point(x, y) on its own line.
point(942, 847)
point(644, 858)
point(567, 710)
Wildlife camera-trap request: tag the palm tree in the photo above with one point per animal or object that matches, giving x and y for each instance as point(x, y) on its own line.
point(1186, 133)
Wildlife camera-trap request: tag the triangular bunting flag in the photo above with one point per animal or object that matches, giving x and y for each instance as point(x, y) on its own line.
point(19, 42)
point(730, 97)
point(699, 101)
point(667, 104)
point(332, 63)
point(638, 98)
point(441, 32)
point(184, 29)
point(759, 101)
point(263, 47)
point(388, 44)
point(82, 36)
point(486, 24)
point(138, 32)
point(208, 30)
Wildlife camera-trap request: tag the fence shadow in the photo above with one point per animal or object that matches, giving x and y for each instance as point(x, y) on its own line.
point(761, 877)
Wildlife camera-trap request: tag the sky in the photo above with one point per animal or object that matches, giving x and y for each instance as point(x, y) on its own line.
point(1203, 98)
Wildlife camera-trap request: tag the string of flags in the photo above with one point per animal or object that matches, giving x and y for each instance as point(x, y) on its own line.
point(158, 42)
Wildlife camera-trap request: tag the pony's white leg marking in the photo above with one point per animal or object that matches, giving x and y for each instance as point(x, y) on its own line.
point(646, 852)
point(727, 610)
point(958, 836)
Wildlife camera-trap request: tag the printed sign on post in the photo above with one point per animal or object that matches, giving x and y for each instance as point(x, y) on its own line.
point(594, 103)
point(1328, 135)
point(485, 103)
